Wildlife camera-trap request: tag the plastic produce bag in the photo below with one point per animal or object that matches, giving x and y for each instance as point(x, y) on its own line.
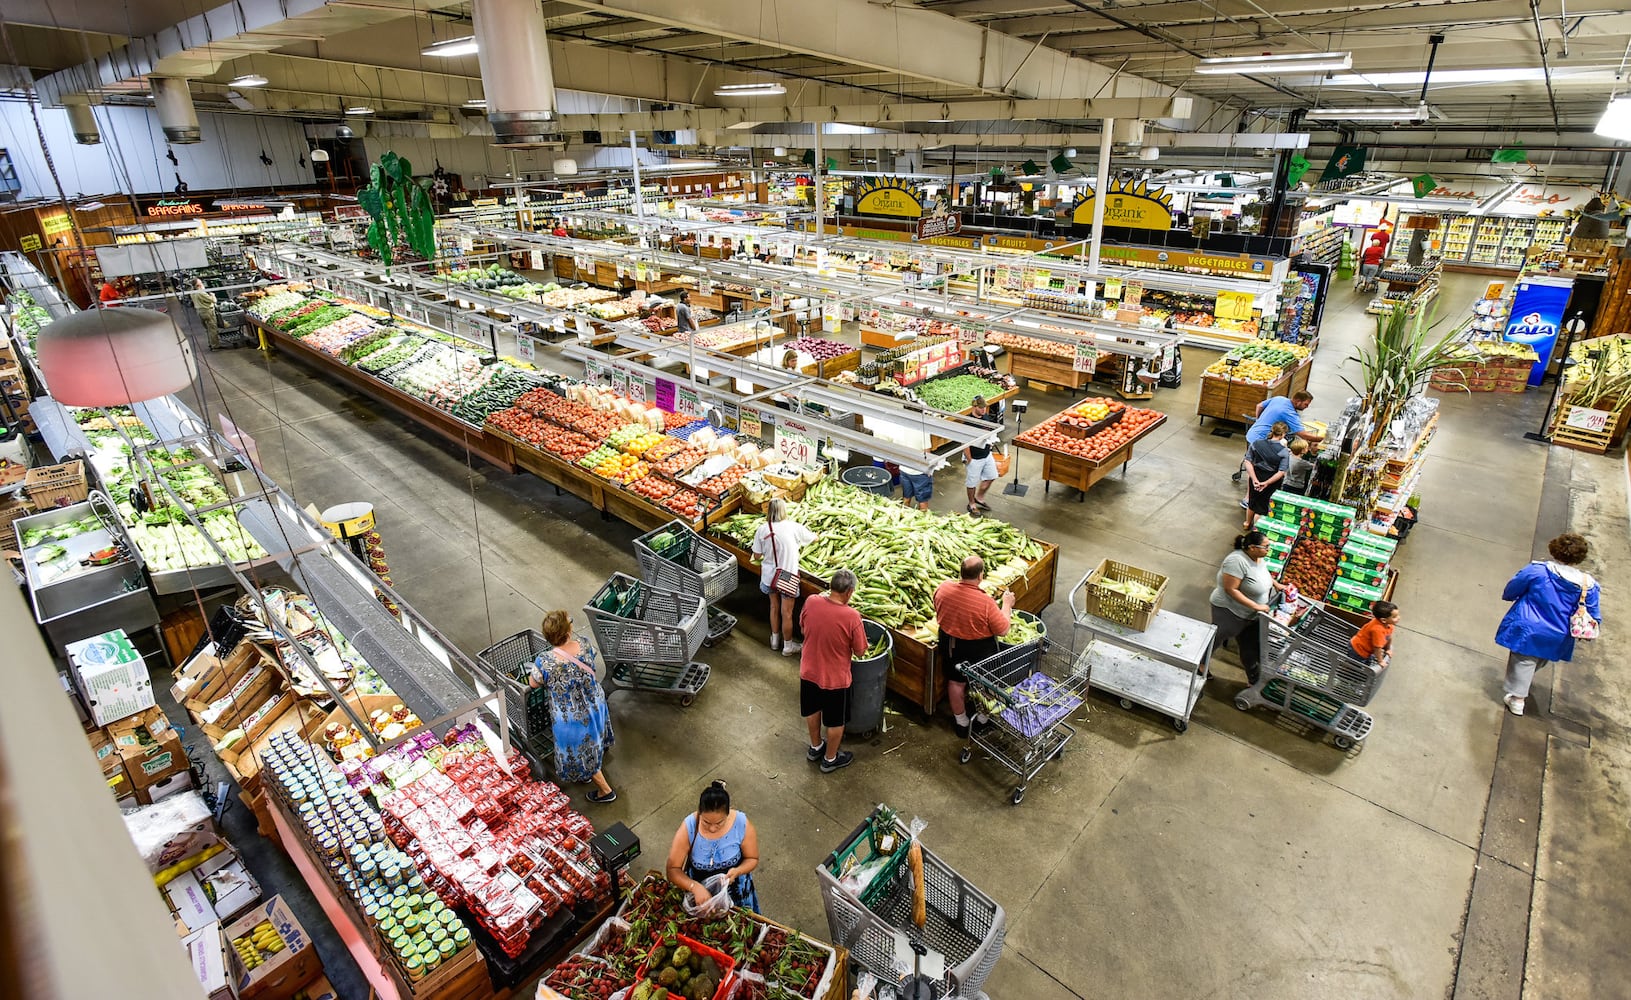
point(719, 901)
point(865, 983)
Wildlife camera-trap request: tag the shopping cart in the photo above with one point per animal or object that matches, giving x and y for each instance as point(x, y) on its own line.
point(678, 559)
point(1309, 672)
point(527, 707)
point(648, 636)
point(965, 927)
point(1027, 692)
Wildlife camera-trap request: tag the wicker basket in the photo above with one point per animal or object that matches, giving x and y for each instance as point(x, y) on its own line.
point(1117, 607)
point(57, 485)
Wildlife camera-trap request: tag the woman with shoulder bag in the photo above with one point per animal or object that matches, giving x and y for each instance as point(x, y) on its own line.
point(1553, 604)
point(715, 840)
point(777, 544)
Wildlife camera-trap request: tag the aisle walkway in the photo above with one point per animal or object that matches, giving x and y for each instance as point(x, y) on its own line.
point(1242, 858)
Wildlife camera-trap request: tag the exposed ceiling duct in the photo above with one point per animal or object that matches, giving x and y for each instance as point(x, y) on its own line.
point(516, 75)
point(176, 112)
point(83, 122)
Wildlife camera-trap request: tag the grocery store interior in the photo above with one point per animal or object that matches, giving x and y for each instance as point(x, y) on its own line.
point(343, 344)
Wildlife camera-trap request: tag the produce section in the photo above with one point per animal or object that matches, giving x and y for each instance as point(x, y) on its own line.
point(1233, 386)
point(1086, 442)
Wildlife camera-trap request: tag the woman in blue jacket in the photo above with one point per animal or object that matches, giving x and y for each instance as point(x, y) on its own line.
point(1544, 596)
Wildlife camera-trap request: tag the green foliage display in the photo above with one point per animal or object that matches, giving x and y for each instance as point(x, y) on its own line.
point(398, 205)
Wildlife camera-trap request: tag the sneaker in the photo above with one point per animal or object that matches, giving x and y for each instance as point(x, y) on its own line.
point(1514, 704)
point(599, 799)
point(775, 643)
point(1244, 505)
point(962, 730)
point(813, 754)
point(791, 648)
point(831, 764)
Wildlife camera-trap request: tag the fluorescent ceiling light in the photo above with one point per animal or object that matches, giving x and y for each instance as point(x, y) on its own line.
point(1415, 114)
point(88, 206)
point(448, 48)
point(476, 102)
point(1306, 62)
point(750, 90)
point(249, 80)
point(1616, 120)
point(359, 110)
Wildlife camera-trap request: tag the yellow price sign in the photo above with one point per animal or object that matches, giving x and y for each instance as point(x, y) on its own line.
point(1041, 279)
point(1234, 305)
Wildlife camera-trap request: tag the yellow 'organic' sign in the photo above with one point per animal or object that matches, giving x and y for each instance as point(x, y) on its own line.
point(1134, 206)
point(889, 197)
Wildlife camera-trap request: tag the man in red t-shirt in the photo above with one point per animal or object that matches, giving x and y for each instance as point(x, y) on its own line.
point(970, 622)
point(833, 636)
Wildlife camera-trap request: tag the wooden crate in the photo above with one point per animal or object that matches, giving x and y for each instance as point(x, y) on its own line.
point(1047, 370)
point(1237, 401)
point(1595, 442)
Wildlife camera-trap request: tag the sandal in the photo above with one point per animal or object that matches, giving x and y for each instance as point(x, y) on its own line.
point(982, 505)
point(973, 511)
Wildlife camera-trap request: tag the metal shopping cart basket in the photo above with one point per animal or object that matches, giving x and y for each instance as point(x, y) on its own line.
point(965, 926)
point(1027, 692)
point(528, 707)
point(1309, 672)
point(648, 637)
point(676, 558)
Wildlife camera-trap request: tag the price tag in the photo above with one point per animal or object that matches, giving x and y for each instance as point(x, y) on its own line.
point(1132, 293)
point(1086, 358)
point(1583, 419)
point(687, 403)
point(730, 415)
point(795, 443)
point(1234, 305)
point(595, 372)
point(832, 318)
point(525, 348)
point(1041, 279)
point(705, 286)
point(665, 395)
point(640, 272)
point(748, 424)
point(1112, 288)
point(536, 260)
point(971, 336)
point(776, 301)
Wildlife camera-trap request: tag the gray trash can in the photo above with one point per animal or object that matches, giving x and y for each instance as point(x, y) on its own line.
point(869, 478)
point(869, 678)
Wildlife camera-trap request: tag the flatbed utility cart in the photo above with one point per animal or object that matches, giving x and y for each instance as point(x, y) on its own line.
point(1162, 666)
point(511, 660)
point(648, 637)
point(676, 558)
point(1309, 672)
point(1028, 691)
point(867, 889)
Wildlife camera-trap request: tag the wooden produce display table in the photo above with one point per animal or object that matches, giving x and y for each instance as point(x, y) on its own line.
point(439, 421)
point(1073, 470)
point(1047, 369)
point(915, 672)
point(1236, 401)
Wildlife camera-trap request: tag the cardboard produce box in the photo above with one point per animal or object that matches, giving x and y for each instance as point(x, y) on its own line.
point(218, 888)
point(175, 784)
point(318, 989)
point(110, 676)
point(284, 972)
point(149, 746)
point(213, 961)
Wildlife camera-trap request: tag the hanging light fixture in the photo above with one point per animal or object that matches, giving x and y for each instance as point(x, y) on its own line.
point(1616, 120)
point(248, 80)
point(360, 109)
point(114, 357)
point(1278, 65)
point(780, 151)
point(447, 48)
point(1420, 113)
point(768, 89)
point(83, 121)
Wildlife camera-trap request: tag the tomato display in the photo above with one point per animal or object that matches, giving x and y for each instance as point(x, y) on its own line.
point(1051, 433)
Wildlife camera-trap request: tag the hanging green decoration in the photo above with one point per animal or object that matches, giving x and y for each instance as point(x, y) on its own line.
point(1422, 185)
point(1296, 168)
point(1061, 164)
point(1029, 168)
point(398, 205)
point(1514, 153)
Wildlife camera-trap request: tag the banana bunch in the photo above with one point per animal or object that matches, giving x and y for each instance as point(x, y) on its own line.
point(258, 945)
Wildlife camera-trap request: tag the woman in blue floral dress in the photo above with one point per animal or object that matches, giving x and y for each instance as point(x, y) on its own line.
point(579, 717)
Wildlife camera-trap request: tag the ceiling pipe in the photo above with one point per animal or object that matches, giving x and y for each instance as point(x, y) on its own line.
point(1546, 66)
point(1432, 54)
point(516, 75)
point(176, 112)
point(83, 123)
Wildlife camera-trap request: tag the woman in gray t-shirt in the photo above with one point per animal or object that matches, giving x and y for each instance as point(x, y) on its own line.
point(1244, 588)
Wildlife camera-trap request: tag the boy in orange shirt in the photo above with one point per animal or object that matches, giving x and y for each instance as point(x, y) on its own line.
point(1375, 638)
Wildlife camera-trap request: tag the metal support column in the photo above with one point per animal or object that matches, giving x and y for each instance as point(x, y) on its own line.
point(1101, 185)
point(639, 200)
point(820, 185)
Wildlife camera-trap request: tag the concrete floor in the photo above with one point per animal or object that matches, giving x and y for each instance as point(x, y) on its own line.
point(1242, 858)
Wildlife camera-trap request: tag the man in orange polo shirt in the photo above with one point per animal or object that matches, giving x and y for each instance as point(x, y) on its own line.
point(970, 622)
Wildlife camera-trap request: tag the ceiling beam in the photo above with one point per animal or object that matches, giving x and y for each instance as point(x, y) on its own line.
point(896, 38)
point(1235, 144)
point(881, 114)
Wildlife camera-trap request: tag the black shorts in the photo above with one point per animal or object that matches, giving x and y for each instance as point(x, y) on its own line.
point(956, 651)
point(832, 705)
point(1257, 500)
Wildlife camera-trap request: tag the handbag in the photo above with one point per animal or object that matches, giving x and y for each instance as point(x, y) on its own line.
point(782, 582)
point(1581, 624)
point(1003, 464)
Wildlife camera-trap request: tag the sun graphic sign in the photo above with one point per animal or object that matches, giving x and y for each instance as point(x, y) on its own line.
point(888, 196)
point(1136, 206)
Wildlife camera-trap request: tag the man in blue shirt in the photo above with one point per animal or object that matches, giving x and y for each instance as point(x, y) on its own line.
point(1282, 409)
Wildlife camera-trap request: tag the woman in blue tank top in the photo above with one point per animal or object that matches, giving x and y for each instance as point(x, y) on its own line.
point(716, 840)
